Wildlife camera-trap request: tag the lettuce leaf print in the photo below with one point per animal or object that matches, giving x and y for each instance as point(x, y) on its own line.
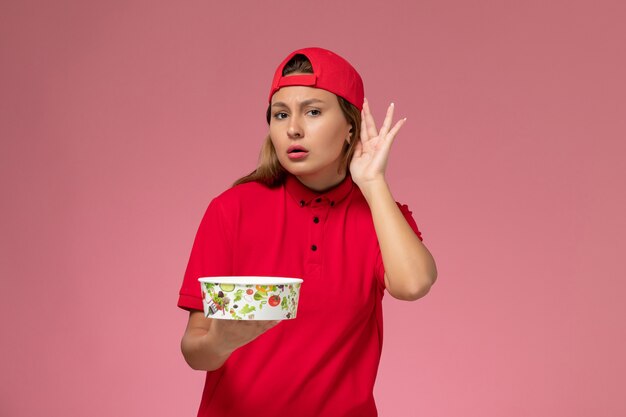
point(247, 309)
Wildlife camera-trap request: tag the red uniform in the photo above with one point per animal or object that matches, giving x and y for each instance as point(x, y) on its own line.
point(324, 362)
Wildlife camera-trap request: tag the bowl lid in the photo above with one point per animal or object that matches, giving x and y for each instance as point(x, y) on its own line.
point(251, 280)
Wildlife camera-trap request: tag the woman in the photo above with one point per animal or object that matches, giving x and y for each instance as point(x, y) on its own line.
point(318, 207)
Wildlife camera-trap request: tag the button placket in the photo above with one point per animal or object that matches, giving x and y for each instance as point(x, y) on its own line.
point(319, 211)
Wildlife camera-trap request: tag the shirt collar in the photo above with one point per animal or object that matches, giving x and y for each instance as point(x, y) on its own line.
point(305, 196)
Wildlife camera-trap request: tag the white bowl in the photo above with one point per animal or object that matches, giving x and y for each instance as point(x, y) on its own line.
point(250, 298)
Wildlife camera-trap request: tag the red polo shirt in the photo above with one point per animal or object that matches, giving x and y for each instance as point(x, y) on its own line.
point(324, 362)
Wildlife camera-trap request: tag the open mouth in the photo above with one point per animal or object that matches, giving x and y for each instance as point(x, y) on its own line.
point(297, 152)
point(296, 148)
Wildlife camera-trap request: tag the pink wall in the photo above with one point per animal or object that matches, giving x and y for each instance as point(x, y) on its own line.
point(120, 120)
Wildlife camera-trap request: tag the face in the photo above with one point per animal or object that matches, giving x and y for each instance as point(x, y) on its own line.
point(308, 130)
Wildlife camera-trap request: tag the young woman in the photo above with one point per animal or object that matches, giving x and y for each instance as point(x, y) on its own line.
point(318, 207)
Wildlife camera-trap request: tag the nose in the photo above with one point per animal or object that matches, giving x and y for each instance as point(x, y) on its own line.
point(294, 130)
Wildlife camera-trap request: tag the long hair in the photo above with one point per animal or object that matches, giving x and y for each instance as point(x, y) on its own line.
point(269, 170)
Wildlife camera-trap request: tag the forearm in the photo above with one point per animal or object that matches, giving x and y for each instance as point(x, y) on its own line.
point(409, 267)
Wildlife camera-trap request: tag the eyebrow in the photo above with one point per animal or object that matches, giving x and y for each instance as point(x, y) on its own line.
point(304, 103)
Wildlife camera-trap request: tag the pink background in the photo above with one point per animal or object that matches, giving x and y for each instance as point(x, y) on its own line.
point(120, 120)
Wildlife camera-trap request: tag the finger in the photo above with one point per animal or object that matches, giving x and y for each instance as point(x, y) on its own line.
point(358, 150)
point(387, 122)
point(369, 121)
point(267, 323)
point(364, 135)
point(393, 132)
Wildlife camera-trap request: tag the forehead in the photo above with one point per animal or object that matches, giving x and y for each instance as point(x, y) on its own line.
point(298, 93)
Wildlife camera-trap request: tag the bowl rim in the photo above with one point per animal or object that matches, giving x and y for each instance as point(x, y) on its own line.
point(251, 280)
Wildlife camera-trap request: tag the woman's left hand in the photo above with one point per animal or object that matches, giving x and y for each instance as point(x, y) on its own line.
point(372, 153)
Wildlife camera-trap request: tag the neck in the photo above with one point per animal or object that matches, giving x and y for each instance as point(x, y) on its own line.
point(321, 185)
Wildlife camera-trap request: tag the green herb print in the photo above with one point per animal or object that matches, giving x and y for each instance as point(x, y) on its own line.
point(247, 309)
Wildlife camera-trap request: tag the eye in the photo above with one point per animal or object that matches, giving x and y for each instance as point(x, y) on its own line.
point(315, 110)
point(277, 115)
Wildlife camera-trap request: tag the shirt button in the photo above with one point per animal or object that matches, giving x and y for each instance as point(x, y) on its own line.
point(314, 248)
point(318, 200)
point(332, 203)
point(316, 220)
point(301, 203)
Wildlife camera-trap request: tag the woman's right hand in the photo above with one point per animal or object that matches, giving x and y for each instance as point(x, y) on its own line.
point(207, 343)
point(232, 334)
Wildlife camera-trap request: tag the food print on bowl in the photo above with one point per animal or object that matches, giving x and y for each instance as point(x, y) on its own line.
point(252, 299)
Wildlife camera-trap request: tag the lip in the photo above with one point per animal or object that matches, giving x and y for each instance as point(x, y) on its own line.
point(296, 148)
point(303, 152)
point(298, 155)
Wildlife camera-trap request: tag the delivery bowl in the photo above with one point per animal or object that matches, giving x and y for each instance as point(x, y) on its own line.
point(250, 297)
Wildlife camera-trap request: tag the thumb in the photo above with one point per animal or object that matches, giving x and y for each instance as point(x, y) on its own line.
point(358, 149)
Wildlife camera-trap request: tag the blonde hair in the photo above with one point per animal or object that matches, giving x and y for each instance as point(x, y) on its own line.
point(269, 170)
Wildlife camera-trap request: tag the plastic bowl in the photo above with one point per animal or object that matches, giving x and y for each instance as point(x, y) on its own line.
point(250, 298)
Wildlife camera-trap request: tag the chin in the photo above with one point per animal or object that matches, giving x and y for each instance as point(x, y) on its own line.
point(297, 171)
point(295, 168)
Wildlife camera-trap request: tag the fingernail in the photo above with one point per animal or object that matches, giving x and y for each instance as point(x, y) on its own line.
point(392, 104)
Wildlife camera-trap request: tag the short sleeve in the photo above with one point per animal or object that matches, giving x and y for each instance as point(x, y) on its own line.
point(408, 216)
point(211, 255)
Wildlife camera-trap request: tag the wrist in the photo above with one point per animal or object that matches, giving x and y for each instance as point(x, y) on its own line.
point(216, 343)
point(372, 188)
